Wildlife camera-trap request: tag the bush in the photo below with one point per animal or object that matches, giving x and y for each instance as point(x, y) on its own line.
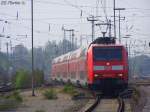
point(69, 89)
point(22, 79)
point(50, 94)
point(38, 77)
point(15, 95)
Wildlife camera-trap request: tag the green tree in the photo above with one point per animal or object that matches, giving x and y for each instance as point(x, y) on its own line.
point(22, 79)
point(38, 77)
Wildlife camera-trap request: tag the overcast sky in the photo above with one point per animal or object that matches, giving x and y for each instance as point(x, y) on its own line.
point(54, 14)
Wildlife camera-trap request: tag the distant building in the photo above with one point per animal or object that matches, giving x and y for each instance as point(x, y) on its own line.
point(20, 58)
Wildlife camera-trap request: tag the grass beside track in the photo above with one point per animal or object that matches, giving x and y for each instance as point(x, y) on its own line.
point(69, 89)
point(50, 94)
point(138, 99)
point(10, 101)
point(78, 105)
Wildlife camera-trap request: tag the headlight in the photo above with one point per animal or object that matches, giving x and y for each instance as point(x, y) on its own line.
point(120, 75)
point(96, 75)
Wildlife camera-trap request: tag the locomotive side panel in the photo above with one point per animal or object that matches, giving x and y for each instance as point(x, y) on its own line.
point(90, 65)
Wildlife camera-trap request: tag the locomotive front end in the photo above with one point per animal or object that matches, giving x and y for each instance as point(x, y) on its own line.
point(107, 67)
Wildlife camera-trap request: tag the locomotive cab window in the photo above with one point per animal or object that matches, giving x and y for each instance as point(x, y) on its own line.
point(107, 53)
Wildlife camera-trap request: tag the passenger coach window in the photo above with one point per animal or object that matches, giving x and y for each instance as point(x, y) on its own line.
point(73, 76)
point(82, 75)
point(82, 53)
point(64, 75)
point(104, 54)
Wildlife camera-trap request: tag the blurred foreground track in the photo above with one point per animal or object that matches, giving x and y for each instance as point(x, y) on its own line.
point(6, 88)
point(139, 82)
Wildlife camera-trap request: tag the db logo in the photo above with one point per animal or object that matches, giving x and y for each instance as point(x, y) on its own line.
point(107, 63)
point(107, 67)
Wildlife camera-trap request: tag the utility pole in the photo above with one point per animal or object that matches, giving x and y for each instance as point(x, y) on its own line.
point(7, 49)
point(114, 19)
point(71, 38)
point(10, 47)
point(64, 48)
point(129, 54)
point(126, 41)
point(1, 41)
point(0, 44)
point(11, 52)
point(8, 61)
point(92, 19)
point(76, 42)
point(81, 40)
point(109, 28)
point(119, 28)
point(33, 94)
point(119, 9)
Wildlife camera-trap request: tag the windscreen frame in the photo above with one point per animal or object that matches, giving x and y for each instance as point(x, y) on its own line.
point(113, 50)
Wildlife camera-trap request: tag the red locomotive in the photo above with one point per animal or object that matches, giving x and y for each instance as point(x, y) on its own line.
point(101, 66)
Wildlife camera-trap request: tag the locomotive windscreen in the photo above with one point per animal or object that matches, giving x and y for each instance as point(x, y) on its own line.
point(107, 53)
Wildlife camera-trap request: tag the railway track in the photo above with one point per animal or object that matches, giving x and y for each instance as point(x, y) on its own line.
point(121, 107)
point(5, 89)
point(100, 104)
point(140, 82)
point(94, 105)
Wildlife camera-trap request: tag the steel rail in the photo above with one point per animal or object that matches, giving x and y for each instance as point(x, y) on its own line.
point(94, 105)
point(121, 106)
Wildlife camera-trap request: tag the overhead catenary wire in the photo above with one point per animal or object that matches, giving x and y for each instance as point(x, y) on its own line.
point(42, 20)
point(77, 6)
point(97, 7)
point(104, 9)
point(86, 6)
point(28, 28)
point(37, 31)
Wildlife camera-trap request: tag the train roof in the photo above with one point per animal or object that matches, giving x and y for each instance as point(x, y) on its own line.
point(80, 52)
point(60, 58)
point(70, 55)
point(108, 45)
